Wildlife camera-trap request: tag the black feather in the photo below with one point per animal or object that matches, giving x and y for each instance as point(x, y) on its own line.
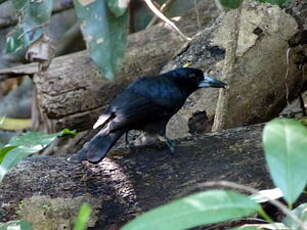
point(147, 104)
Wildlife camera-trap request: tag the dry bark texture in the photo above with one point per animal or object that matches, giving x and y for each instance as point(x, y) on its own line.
point(47, 191)
point(260, 86)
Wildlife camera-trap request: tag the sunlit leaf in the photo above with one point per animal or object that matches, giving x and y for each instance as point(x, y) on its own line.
point(246, 228)
point(34, 15)
point(16, 225)
point(273, 226)
point(285, 145)
point(25, 145)
point(83, 217)
point(105, 34)
point(194, 210)
point(301, 213)
point(266, 195)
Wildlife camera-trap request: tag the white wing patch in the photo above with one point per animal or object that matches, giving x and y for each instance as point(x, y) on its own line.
point(101, 120)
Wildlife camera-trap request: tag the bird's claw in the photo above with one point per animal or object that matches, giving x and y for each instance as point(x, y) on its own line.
point(129, 145)
point(171, 144)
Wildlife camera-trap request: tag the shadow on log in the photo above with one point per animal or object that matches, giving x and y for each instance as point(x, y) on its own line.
point(47, 191)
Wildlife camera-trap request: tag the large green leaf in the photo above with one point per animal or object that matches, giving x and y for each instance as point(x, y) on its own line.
point(105, 33)
point(23, 146)
point(17, 224)
point(83, 217)
point(34, 15)
point(202, 208)
point(285, 145)
point(301, 213)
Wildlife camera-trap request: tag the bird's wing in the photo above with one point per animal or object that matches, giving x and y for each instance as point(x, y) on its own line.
point(102, 120)
point(131, 109)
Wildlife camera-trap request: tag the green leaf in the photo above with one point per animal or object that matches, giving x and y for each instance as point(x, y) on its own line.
point(301, 213)
point(202, 208)
point(275, 2)
point(118, 7)
point(17, 224)
point(246, 228)
point(19, 4)
point(230, 4)
point(25, 145)
point(105, 34)
point(4, 151)
point(37, 140)
point(285, 145)
point(34, 14)
point(83, 217)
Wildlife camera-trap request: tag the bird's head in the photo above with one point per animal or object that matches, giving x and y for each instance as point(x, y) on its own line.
point(192, 79)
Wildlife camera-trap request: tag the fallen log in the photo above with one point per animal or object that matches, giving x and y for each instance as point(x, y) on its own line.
point(47, 190)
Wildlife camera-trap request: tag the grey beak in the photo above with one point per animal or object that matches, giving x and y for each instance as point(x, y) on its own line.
point(211, 82)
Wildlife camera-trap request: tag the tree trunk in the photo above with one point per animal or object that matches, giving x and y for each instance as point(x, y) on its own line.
point(47, 191)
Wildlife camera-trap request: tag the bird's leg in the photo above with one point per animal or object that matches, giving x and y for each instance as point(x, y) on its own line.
point(127, 142)
point(171, 144)
point(127, 139)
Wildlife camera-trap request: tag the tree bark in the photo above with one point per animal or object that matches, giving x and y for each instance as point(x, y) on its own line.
point(263, 80)
point(47, 191)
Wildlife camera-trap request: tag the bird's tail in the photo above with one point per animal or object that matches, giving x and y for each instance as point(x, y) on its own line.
point(98, 147)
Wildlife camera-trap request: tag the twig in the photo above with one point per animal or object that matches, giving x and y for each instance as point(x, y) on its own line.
point(302, 103)
point(220, 120)
point(197, 14)
point(287, 74)
point(156, 11)
point(163, 8)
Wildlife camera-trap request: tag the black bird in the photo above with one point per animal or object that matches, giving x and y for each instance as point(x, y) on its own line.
point(147, 104)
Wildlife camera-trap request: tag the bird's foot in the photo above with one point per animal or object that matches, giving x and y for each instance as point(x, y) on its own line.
point(129, 145)
point(171, 144)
